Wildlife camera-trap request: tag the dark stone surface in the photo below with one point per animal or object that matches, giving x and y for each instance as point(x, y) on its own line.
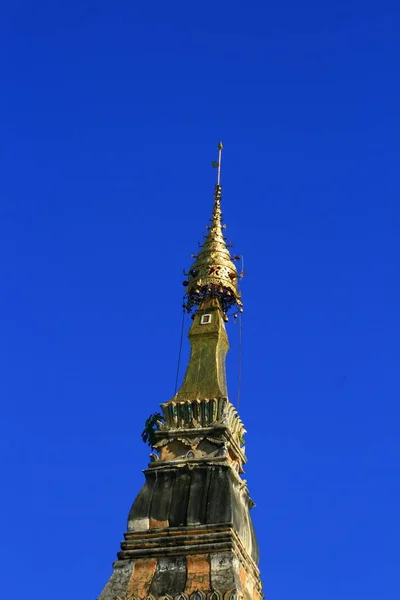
point(170, 576)
point(179, 502)
point(219, 503)
point(162, 495)
point(197, 505)
point(141, 506)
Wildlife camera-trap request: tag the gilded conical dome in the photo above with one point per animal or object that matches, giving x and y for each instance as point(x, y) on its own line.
point(213, 273)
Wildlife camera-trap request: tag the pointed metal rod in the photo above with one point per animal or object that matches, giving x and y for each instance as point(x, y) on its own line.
point(220, 146)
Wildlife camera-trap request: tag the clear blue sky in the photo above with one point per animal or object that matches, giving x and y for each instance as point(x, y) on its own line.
point(110, 113)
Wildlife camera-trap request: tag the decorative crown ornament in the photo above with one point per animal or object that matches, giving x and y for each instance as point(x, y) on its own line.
point(213, 273)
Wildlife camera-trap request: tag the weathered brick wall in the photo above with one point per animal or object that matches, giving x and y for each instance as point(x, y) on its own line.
point(196, 577)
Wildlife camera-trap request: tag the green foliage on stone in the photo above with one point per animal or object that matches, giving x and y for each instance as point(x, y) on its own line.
point(150, 427)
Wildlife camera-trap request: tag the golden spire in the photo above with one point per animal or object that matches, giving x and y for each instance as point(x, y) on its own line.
point(213, 273)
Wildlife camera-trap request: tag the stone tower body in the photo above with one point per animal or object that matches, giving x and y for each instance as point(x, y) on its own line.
point(190, 534)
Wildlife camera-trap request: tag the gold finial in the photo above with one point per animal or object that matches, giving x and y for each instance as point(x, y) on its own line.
point(213, 273)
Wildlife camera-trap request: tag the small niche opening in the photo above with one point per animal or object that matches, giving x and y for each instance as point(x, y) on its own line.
point(205, 319)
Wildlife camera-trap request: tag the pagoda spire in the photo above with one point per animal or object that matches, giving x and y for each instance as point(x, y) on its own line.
point(212, 289)
point(189, 533)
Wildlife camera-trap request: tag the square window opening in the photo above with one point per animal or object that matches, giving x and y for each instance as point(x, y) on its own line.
point(205, 319)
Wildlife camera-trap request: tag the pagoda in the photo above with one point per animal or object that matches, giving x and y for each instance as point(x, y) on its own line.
point(190, 535)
